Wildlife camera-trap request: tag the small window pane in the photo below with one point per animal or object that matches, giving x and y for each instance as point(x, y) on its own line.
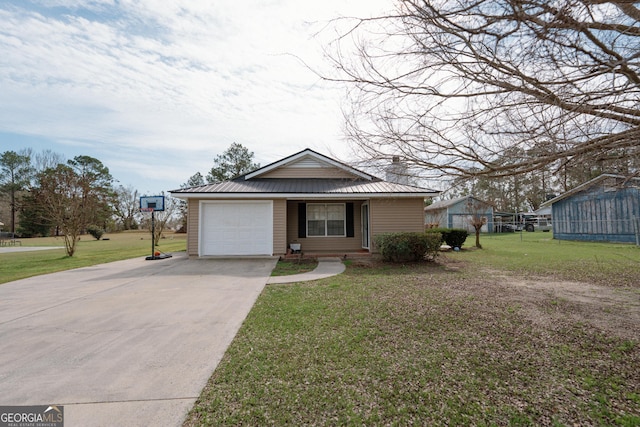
point(335, 212)
point(316, 212)
point(335, 228)
point(315, 228)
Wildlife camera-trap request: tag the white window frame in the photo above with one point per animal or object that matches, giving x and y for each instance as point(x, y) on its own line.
point(326, 228)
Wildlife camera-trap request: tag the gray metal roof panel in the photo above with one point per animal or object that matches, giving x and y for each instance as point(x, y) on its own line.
point(305, 186)
point(443, 204)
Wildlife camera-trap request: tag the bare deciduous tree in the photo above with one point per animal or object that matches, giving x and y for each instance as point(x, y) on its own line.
point(126, 206)
point(46, 159)
point(477, 211)
point(450, 85)
point(163, 219)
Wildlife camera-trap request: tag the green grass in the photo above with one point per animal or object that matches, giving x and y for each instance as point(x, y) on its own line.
point(288, 267)
point(537, 253)
point(434, 344)
point(125, 245)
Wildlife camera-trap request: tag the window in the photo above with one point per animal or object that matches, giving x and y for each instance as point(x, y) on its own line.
point(326, 219)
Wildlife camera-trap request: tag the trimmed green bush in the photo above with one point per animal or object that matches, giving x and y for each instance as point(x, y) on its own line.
point(405, 247)
point(443, 232)
point(456, 237)
point(95, 231)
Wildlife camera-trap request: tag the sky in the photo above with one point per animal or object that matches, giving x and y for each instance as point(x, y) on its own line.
point(156, 89)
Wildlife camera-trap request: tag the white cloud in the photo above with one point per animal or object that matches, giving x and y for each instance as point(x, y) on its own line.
point(180, 79)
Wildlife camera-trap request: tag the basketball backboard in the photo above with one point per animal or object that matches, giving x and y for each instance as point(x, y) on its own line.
point(152, 202)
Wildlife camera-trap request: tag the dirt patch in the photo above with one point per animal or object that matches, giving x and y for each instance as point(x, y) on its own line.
point(615, 310)
point(545, 301)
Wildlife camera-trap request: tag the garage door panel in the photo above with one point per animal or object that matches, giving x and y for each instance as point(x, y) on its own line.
point(236, 228)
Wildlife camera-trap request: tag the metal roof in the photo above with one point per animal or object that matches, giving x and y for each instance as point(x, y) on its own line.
point(443, 204)
point(586, 185)
point(302, 187)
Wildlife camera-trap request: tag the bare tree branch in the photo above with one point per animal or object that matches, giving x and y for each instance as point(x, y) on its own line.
point(493, 87)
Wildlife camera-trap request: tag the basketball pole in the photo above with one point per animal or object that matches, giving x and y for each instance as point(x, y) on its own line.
point(151, 204)
point(153, 238)
point(153, 234)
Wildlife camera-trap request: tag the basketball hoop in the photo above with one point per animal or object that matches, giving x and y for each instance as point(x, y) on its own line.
point(153, 204)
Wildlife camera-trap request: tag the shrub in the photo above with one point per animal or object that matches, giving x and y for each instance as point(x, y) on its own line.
point(443, 232)
point(404, 247)
point(456, 237)
point(95, 231)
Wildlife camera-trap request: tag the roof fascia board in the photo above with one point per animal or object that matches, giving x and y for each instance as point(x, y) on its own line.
point(300, 155)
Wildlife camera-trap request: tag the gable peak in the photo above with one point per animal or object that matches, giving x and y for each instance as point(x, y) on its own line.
point(308, 158)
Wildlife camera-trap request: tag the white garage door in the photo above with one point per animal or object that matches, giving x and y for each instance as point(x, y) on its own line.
point(236, 228)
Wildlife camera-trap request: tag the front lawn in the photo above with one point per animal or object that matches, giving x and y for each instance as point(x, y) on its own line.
point(480, 338)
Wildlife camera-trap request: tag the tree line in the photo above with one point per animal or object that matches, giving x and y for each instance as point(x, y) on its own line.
point(46, 195)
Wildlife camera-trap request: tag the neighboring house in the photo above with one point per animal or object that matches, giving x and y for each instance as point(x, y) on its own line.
point(607, 208)
point(543, 211)
point(306, 199)
point(458, 213)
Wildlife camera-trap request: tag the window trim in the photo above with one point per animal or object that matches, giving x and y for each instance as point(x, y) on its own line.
point(326, 228)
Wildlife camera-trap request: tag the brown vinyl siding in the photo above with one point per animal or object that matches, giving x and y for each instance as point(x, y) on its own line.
point(280, 226)
point(324, 244)
point(396, 215)
point(386, 215)
point(297, 173)
point(193, 215)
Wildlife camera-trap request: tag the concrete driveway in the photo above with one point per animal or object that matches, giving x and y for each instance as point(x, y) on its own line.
point(126, 343)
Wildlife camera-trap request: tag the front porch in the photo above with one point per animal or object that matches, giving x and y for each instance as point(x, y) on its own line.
point(360, 254)
point(332, 228)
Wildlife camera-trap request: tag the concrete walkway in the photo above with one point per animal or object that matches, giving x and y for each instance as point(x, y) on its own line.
point(9, 249)
point(128, 343)
point(327, 267)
